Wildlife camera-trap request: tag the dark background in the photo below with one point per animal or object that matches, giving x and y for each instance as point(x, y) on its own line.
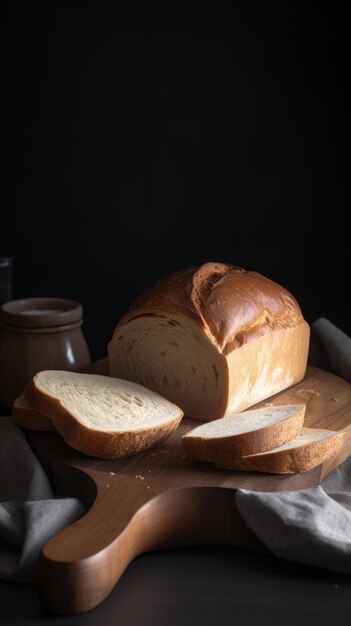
point(137, 141)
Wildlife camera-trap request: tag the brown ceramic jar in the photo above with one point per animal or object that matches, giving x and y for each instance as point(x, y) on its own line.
point(38, 334)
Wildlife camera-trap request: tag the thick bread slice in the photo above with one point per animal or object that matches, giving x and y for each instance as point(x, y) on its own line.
point(101, 416)
point(28, 418)
point(244, 433)
point(312, 447)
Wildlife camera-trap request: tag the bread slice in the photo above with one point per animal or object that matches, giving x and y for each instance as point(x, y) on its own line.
point(101, 416)
point(312, 447)
point(244, 433)
point(28, 418)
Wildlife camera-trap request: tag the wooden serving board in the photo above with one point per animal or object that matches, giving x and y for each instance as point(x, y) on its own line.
point(158, 499)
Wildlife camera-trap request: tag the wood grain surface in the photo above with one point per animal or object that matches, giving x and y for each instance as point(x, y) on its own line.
point(159, 499)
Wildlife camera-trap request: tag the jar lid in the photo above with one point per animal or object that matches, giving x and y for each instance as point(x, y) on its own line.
point(41, 312)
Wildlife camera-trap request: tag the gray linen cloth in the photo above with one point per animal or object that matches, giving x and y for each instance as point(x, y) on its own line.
point(310, 526)
point(29, 513)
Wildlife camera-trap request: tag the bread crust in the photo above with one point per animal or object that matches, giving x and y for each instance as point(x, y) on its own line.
point(259, 369)
point(98, 444)
point(232, 306)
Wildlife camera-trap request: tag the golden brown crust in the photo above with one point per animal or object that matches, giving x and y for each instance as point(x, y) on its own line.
point(104, 445)
point(224, 449)
point(262, 368)
point(99, 444)
point(232, 305)
point(299, 459)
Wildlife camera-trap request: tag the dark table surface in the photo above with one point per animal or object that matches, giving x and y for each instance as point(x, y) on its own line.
point(214, 585)
point(203, 585)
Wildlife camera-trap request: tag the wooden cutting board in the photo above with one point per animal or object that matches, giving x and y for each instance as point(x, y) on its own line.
point(158, 499)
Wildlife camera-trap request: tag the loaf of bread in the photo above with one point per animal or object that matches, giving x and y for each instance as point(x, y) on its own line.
point(249, 432)
point(100, 416)
point(213, 339)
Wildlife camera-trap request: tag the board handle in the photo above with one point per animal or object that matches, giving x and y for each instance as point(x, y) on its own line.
point(80, 566)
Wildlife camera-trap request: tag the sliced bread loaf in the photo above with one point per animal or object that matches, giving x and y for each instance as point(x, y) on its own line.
point(215, 339)
point(310, 448)
point(244, 433)
point(101, 416)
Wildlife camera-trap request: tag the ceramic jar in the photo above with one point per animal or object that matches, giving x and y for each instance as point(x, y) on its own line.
point(38, 334)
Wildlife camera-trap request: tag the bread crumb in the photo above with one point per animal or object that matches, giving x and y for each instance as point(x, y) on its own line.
point(148, 487)
point(107, 485)
point(139, 476)
point(335, 399)
point(112, 473)
point(312, 391)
